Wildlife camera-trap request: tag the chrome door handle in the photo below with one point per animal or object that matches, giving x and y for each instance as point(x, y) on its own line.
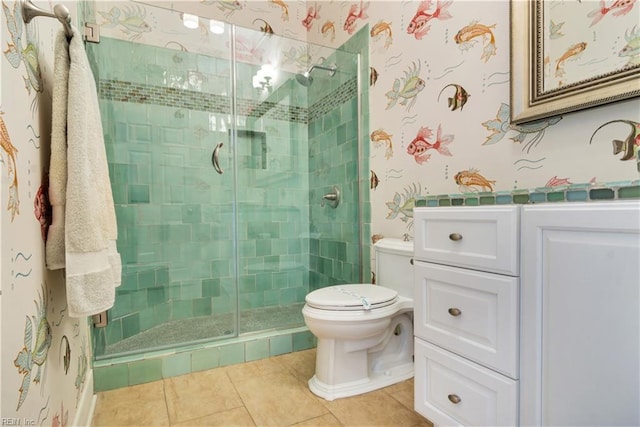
point(214, 158)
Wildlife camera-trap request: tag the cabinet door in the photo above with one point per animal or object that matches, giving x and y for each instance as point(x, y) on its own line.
point(580, 337)
point(472, 313)
point(476, 237)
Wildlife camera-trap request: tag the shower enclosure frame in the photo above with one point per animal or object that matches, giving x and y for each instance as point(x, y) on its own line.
point(361, 196)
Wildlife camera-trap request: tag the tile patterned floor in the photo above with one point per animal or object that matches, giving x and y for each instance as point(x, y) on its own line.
point(267, 392)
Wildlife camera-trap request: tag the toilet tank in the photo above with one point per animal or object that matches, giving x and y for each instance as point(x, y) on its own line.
point(394, 265)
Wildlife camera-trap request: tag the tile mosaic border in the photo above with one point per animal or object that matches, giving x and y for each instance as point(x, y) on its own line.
point(142, 93)
point(561, 194)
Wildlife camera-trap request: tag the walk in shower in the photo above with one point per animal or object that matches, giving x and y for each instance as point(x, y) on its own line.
point(219, 161)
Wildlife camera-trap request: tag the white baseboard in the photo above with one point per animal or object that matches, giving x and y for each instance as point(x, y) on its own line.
point(86, 404)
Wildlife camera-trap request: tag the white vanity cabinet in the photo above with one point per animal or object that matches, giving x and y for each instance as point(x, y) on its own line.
point(580, 337)
point(466, 314)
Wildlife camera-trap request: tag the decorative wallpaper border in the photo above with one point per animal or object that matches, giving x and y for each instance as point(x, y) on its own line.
point(566, 193)
point(141, 93)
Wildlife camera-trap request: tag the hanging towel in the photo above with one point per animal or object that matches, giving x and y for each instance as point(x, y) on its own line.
point(54, 247)
point(91, 260)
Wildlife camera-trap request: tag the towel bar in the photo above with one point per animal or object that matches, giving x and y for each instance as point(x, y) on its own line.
point(30, 11)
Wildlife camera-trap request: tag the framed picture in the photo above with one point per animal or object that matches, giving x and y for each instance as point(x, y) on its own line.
point(571, 55)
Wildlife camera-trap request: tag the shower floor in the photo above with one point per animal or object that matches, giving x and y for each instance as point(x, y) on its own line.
point(187, 331)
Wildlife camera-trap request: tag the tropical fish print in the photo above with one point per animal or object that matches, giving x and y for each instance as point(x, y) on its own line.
point(355, 13)
point(283, 6)
point(471, 181)
point(555, 30)
point(458, 100)
point(33, 354)
point(312, 15)
point(229, 7)
point(373, 181)
point(501, 125)
point(42, 206)
point(382, 29)
point(248, 50)
point(570, 54)
point(632, 49)
point(617, 8)
point(83, 367)
point(66, 359)
point(373, 76)
point(8, 149)
point(299, 56)
point(467, 37)
point(329, 29)
point(61, 419)
point(418, 25)
point(630, 145)
point(403, 204)
point(376, 237)
point(380, 137)
point(420, 145)
point(133, 23)
point(265, 28)
point(407, 88)
point(557, 182)
point(19, 52)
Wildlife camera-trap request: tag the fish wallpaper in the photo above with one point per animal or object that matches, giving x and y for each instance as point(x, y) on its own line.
point(438, 124)
point(38, 340)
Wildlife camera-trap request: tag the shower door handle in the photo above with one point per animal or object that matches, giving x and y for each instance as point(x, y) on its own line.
point(214, 158)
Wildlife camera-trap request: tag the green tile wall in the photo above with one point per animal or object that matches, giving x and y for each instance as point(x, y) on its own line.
point(162, 118)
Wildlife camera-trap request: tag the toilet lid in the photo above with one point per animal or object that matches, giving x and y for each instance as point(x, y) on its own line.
point(351, 297)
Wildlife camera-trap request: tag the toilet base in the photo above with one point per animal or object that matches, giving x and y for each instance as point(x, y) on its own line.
point(375, 381)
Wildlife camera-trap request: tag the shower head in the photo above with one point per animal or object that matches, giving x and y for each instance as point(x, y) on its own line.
point(305, 78)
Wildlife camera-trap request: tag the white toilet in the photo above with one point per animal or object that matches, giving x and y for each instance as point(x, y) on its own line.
point(364, 332)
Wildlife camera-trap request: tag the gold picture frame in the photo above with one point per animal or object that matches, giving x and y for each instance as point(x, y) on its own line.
point(537, 89)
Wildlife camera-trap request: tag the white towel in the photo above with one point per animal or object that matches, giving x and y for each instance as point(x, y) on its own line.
point(92, 262)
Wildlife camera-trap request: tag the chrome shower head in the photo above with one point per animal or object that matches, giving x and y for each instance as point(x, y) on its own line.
point(305, 78)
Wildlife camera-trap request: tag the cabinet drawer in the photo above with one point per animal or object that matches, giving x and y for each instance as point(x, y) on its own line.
point(480, 238)
point(472, 313)
point(450, 390)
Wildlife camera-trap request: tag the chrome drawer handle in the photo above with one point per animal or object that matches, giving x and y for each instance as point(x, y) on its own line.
point(455, 236)
point(455, 312)
point(454, 398)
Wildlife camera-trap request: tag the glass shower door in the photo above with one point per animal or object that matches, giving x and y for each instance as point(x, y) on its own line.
point(166, 106)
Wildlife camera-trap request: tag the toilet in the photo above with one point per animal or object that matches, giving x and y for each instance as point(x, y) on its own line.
point(364, 331)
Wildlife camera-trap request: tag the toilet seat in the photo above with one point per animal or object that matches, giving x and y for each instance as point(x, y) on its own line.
point(351, 297)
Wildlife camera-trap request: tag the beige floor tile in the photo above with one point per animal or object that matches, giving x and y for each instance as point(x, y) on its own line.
point(402, 392)
point(376, 408)
point(236, 417)
point(199, 394)
point(327, 420)
point(278, 399)
point(247, 370)
point(140, 405)
point(302, 364)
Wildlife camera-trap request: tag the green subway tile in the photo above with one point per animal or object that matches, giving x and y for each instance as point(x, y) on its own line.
point(231, 354)
point(457, 201)
point(601, 194)
point(182, 309)
point(471, 201)
point(521, 199)
point(420, 203)
point(632, 192)
point(130, 325)
point(144, 371)
point(204, 359)
point(202, 307)
point(280, 344)
point(577, 196)
point(444, 202)
point(138, 193)
point(556, 196)
point(487, 200)
point(432, 203)
point(504, 199)
point(110, 377)
point(255, 350)
point(176, 364)
point(303, 341)
point(537, 197)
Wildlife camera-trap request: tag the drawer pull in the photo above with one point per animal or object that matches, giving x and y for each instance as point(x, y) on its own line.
point(454, 398)
point(455, 312)
point(455, 236)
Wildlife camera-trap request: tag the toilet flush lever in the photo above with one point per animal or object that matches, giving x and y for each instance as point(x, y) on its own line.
point(365, 303)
